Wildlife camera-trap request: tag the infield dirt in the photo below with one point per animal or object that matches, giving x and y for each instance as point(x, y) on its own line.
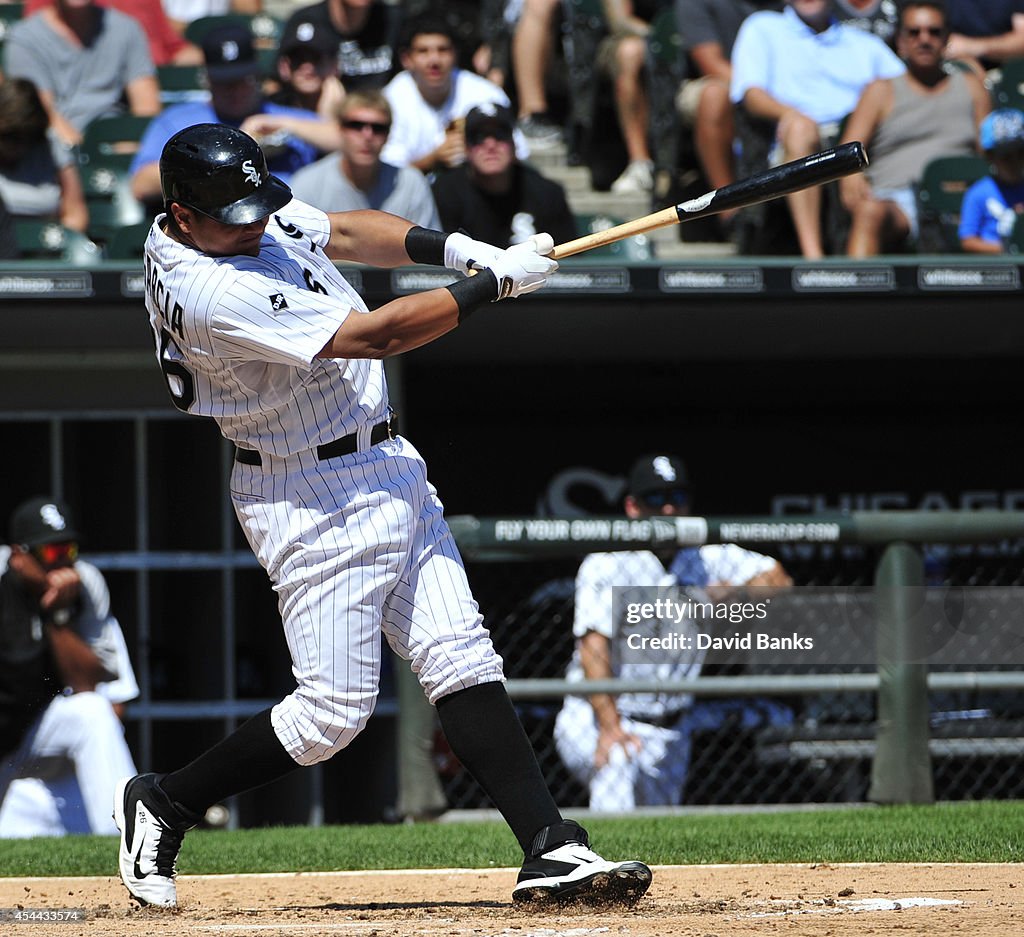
point(700, 901)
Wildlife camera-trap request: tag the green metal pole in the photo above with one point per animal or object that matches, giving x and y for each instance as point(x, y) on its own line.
point(901, 772)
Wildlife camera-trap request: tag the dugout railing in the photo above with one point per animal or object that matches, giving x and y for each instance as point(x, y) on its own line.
point(892, 727)
point(203, 628)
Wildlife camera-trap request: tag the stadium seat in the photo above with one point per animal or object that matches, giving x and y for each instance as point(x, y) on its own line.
point(635, 248)
point(1009, 90)
point(941, 191)
point(105, 158)
point(180, 83)
point(9, 13)
point(112, 136)
point(128, 242)
point(48, 240)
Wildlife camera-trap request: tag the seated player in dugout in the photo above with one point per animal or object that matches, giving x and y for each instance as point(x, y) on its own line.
point(634, 749)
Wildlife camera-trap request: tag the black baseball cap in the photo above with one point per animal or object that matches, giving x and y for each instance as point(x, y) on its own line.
point(301, 33)
point(657, 472)
point(489, 116)
point(229, 53)
point(42, 520)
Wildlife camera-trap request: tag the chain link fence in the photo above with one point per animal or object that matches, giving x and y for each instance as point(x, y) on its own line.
point(755, 744)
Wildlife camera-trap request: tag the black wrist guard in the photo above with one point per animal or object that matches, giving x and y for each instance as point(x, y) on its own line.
point(474, 292)
point(425, 246)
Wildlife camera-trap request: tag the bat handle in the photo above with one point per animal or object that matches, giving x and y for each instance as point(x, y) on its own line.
point(659, 219)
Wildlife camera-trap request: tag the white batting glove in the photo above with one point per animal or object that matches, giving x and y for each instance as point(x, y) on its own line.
point(462, 253)
point(521, 270)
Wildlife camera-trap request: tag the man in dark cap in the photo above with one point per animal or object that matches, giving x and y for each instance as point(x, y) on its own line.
point(633, 749)
point(63, 669)
point(307, 68)
point(493, 195)
point(233, 72)
point(365, 37)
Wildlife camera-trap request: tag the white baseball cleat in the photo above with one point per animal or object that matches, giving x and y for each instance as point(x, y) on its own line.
point(152, 828)
point(561, 867)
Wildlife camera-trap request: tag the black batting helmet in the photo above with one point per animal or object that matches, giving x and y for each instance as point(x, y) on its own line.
point(220, 172)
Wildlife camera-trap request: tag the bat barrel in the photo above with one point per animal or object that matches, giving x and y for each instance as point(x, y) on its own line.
point(817, 169)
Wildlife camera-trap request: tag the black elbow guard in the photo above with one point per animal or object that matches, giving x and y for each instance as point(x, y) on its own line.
point(425, 246)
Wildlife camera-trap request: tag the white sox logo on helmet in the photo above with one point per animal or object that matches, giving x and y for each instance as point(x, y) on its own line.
point(252, 174)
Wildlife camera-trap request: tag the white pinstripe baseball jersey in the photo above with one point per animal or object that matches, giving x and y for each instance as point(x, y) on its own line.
point(236, 336)
point(356, 545)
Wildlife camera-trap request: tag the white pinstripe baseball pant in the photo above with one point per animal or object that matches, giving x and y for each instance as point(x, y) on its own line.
point(357, 545)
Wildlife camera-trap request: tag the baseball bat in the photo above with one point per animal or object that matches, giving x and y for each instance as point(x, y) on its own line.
point(817, 169)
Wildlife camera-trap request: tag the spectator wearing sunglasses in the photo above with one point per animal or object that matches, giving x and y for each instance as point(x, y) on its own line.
point(64, 670)
point(356, 178)
point(493, 196)
point(633, 749)
point(905, 122)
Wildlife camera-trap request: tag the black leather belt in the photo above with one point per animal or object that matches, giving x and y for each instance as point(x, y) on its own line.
point(331, 450)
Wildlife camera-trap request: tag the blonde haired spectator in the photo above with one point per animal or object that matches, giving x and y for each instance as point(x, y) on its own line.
point(356, 178)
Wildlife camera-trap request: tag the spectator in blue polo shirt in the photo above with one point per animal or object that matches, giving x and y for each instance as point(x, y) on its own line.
point(805, 72)
point(992, 206)
point(233, 75)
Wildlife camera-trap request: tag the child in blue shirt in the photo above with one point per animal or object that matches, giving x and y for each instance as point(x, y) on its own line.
point(990, 207)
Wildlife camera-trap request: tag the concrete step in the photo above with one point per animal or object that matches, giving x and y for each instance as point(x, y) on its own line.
point(623, 207)
point(550, 157)
point(684, 251)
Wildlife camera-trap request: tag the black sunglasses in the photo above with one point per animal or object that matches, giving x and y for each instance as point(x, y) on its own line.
point(935, 32)
point(378, 129)
point(677, 497)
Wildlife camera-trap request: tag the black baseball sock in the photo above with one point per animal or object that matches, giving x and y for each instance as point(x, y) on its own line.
point(486, 736)
point(250, 757)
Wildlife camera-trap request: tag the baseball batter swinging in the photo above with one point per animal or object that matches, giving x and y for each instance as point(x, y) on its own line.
point(256, 328)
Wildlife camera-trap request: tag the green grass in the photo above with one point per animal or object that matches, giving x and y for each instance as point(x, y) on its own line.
point(984, 831)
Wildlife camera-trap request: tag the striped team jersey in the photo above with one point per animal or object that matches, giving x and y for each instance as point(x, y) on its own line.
point(236, 336)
